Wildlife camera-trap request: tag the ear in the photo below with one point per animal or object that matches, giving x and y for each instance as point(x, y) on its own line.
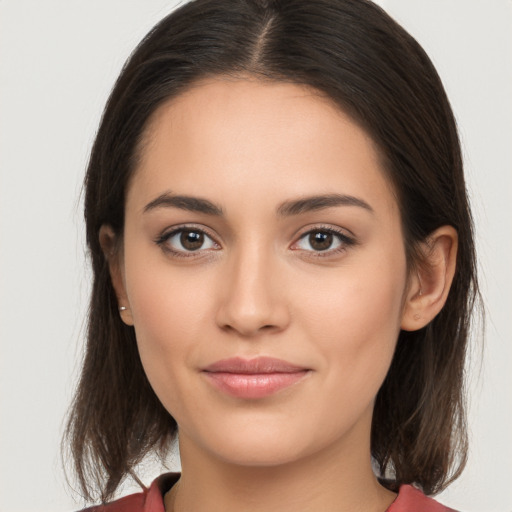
point(430, 283)
point(114, 256)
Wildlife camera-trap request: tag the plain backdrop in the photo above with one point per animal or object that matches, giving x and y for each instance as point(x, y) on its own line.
point(58, 61)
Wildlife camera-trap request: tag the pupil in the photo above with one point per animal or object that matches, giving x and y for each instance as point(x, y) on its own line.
point(192, 240)
point(320, 240)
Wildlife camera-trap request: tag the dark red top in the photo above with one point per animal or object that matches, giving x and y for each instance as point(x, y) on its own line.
point(409, 499)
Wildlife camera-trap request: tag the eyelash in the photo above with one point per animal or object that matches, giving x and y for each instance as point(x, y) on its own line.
point(345, 240)
point(166, 236)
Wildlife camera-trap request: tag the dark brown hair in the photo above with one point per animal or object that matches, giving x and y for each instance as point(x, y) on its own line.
point(354, 53)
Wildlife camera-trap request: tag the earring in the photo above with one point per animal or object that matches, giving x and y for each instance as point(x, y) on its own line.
point(122, 308)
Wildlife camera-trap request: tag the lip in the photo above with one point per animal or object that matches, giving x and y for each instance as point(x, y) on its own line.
point(253, 378)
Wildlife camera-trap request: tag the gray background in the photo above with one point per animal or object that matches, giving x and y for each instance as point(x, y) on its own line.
point(58, 61)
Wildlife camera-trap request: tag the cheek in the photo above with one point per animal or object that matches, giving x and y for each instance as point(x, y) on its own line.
point(355, 319)
point(154, 307)
point(169, 312)
point(356, 298)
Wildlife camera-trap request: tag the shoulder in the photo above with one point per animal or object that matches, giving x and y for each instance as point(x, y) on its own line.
point(132, 503)
point(411, 499)
point(149, 500)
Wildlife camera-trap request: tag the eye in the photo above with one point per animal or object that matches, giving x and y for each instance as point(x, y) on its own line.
point(186, 240)
point(323, 240)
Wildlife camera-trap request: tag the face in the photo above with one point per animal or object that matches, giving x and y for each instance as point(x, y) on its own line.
point(263, 268)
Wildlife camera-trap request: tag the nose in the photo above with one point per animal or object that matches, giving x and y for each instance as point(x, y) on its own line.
point(252, 298)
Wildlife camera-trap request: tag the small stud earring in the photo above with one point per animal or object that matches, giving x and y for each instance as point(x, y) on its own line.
point(122, 308)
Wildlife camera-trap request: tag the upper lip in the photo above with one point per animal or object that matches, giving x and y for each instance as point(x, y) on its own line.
point(258, 365)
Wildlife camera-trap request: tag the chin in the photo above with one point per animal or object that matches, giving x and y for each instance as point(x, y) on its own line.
point(267, 445)
point(248, 446)
point(260, 455)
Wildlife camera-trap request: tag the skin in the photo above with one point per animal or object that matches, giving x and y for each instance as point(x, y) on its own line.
point(258, 286)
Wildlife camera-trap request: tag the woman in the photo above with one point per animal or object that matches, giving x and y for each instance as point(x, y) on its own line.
point(283, 266)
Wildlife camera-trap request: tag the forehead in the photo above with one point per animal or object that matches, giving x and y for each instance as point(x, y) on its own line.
point(258, 136)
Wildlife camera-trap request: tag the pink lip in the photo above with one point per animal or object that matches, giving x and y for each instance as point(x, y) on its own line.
point(254, 378)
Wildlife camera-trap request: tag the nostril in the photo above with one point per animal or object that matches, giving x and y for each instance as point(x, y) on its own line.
point(250, 303)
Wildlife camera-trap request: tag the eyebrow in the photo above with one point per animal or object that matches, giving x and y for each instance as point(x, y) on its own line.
point(320, 202)
point(286, 209)
point(189, 203)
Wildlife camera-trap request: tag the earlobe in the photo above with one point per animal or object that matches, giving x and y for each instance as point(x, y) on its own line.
point(113, 255)
point(431, 281)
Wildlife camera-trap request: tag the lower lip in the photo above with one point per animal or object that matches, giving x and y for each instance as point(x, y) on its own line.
point(257, 385)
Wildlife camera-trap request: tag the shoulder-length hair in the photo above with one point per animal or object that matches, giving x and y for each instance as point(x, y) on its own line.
point(355, 54)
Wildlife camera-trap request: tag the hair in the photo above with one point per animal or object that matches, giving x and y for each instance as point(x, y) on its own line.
point(355, 54)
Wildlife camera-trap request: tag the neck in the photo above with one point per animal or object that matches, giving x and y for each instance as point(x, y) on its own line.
point(329, 481)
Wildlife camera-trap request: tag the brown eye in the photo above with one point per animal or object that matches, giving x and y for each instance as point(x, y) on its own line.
point(323, 240)
point(191, 240)
point(187, 240)
point(320, 240)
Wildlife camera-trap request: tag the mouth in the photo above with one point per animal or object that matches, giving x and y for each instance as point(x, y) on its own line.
point(253, 378)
